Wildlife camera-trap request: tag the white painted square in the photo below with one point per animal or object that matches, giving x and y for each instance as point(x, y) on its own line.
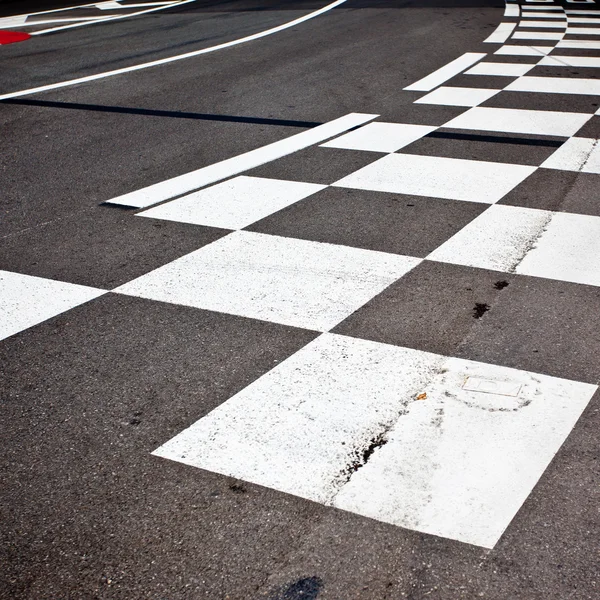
point(576, 154)
point(556, 85)
point(381, 137)
point(555, 24)
point(437, 177)
point(568, 250)
point(234, 204)
point(457, 463)
point(26, 301)
point(579, 44)
point(499, 69)
point(513, 120)
point(583, 30)
point(538, 35)
point(497, 239)
point(570, 61)
point(457, 96)
point(283, 280)
point(517, 50)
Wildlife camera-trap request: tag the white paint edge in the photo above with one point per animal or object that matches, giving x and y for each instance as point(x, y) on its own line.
point(194, 180)
point(164, 61)
point(446, 72)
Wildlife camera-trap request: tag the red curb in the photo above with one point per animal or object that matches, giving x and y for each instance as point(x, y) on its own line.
point(9, 37)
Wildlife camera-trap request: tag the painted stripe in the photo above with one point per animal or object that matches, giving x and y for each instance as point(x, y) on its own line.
point(584, 20)
point(524, 50)
point(164, 61)
point(112, 18)
point(499, 69)
point(438, 177)
point(26, 301)
point(501, 33)
point(579, 44)
point(543, 15)
point(457, 96)
point(511, 10)
point(513, 120)
point(582, 12)
point(576, 154)
point(458, 463)
point(583, 30)
point(570, 61)
point(294, 282)
point(544, 24)
point(527, 8)
point(194, 180)
point(555, 85)
point(538, 35)
point(446, 72)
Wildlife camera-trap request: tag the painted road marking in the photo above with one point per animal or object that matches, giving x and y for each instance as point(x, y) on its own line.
point(537, 35)
point(380, 137)
point(283, 280)
point(524, 50)
point(568, 250)
point(164, 61)
point(338, 423)
point(576, 154)
point(497, 239)
point(555, 85)
point(544, 24)
point(437, 177)
point(500, 34)
point(511, 10)
point(579, 44)
point(457, 96)
point(165, 190)
point(234, 204)
point(513, 120)
point(499, 69)
point(446, 72)
point(570, 61)
point(26, 301)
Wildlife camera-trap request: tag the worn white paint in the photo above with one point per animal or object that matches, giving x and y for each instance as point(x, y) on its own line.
point(446, 72)
point(457, 464)
point(26, 301)
point(381, 137)
point(500, 69)
point(178, 57)
point(576, 154)
point(451, 178)
point(556, 85)
point(234, 204)
point(183, 184)
point(284, 280)
point(457, 96)
point(567, 250)
point(513, 120)
point(497, 239)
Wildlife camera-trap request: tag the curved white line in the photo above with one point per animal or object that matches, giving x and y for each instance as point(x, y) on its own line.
point(110, 18)
point(164, 61)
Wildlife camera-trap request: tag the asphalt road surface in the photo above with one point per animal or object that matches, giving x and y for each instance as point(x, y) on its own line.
point(299, 300)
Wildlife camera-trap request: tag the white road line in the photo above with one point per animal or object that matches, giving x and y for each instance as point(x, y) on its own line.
point(576, 154)
point(524, 50)
point(500, 34)
point(544, 24)
point(294, 282)
point(538, 35)
point(584, 20)
point(555, 85)
point(458, 463)
point(579, 44)
point(446, 72)
point(237, 164)
point(570, 61)
point(511, 10)
point(499, 69)
point(111, 18)
point(583, 30)
point(438, 177)
point(516, 120)
point(164, 61)
point(234, 204)
point(457, 96)
point(26, 301)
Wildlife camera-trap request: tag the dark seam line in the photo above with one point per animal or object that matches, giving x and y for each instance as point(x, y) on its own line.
point(162, 113)
point(495, 139)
